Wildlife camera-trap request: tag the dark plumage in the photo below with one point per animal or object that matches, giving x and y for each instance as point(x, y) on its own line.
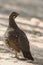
point(16, 38)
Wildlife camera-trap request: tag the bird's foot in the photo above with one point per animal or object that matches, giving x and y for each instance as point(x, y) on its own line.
point(21, 58)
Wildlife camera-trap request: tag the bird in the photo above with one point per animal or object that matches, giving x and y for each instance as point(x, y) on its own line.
point(16, 39)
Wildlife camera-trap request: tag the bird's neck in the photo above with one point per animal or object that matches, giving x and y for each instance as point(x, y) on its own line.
point(12, 23)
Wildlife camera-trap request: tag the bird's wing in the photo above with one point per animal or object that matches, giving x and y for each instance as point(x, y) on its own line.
point(24, 43)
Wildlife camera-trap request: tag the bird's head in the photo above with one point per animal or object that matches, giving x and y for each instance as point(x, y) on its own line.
point(12, 17)
point(14, 14)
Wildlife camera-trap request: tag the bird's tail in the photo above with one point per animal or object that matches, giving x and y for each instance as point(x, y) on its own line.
point(28, 55)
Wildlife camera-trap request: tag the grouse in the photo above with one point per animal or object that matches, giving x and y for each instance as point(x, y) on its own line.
point(16, 39)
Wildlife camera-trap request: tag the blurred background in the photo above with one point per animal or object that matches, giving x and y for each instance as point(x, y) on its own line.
point(28, 8)
point(31, 8)
point(30, 20)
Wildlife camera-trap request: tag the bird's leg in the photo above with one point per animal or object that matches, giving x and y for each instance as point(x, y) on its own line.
point(15, 55)
point(20, 56)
